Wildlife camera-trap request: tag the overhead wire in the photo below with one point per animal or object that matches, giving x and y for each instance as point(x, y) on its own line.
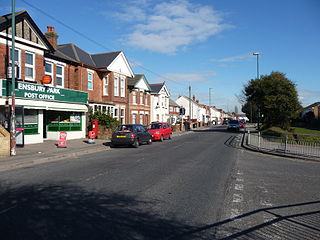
point(97, 43)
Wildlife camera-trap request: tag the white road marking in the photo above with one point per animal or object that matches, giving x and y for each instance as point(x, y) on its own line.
point(234, 213)
point(237, 198)
point(239, 179)
point(238, 187)
point(265, 203)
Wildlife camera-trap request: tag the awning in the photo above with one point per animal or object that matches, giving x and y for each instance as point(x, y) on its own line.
point(47, 105)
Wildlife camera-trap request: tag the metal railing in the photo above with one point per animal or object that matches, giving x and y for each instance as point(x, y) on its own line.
point(284, 145)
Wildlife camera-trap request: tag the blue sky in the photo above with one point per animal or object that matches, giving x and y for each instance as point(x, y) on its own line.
point(205, 44)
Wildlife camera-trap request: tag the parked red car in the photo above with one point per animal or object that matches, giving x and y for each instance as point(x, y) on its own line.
point(160, 130)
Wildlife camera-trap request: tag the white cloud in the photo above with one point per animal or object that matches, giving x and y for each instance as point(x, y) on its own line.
point(169, 26)
point(308, 97)
point(237, 58)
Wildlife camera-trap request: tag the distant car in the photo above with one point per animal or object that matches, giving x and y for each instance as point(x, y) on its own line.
point(225, 122)
point(233, 125)
point(160, 130)
point(130, 134)
point(242, 123)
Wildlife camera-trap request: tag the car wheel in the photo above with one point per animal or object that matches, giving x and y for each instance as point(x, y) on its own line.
point(170, 136)
point(161, 138)
point(135, 143)
point(112, 145)
point(149, 142)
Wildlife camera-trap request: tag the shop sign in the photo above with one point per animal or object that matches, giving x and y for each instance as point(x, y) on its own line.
point(44, 93)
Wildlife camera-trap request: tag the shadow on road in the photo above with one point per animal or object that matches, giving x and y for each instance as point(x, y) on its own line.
point(70, 212)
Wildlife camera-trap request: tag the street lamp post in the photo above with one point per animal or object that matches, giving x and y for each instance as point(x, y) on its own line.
point(258, 77)
point(210, 96)
point(257, 54)
point(13, 68)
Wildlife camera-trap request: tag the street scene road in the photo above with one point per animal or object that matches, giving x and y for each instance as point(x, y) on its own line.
point(200, 185)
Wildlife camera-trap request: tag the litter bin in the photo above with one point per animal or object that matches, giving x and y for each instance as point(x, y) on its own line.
point(20, 137)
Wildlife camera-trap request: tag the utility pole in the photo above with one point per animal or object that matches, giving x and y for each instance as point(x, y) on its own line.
point(13, 84)
point(190, 103)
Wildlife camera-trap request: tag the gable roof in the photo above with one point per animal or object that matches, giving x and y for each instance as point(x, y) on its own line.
point(156, 87)
point(312, 105)
point(173, 103)
point(193, 101)
point(5, 22)
point(134, 81)
point(104, 59)
point(76, 53)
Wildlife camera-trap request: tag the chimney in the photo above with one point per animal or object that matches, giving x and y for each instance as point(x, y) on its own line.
point(197, 101)
point(52, 36)
point(193, 97)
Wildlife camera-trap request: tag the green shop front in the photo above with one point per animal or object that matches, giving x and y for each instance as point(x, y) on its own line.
point(42, 112)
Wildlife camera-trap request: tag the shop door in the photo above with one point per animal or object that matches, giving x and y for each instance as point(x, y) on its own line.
point(45, 123)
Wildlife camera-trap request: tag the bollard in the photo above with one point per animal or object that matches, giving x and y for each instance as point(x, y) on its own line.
point(259, 140)
point(248, 139)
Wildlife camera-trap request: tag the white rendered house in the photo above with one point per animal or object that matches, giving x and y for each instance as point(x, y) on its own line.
point(160, 102)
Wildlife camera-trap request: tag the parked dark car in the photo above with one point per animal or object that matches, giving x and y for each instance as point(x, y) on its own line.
point(233, 125)
point(130, 134)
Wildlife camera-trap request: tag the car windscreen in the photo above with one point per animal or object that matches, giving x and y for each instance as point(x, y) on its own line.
point(125, 128)
point(234, 122)
point(156, 126)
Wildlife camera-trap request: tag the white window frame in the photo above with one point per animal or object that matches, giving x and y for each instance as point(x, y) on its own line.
point(146, 100)
point(106, 86)
point(134, 97)
point(141, 118)
point(49, 73)
point(60, 75)
point(134, 118)
point(116, 86)
point(141, 98)
point(122, 86)
point(32, 66)
point(17, 61)
point(116, 113)
point(90, 73)
point(122, 117)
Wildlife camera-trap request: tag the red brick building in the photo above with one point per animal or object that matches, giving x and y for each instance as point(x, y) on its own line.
point(43, 110)
point(105, 77)
point(139, 110)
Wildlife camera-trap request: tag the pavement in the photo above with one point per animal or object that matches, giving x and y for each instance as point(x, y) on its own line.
point(48, 152)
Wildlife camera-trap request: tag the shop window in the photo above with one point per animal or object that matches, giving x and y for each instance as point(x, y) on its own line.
point(30, 66)
point(63, 121)
point(31, 125)
point(59, 76)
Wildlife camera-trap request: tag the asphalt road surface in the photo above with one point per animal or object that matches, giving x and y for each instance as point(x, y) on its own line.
point(200, 185)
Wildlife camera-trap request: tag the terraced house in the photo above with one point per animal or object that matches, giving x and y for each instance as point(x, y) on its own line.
point(139, 107)
point(105, 77)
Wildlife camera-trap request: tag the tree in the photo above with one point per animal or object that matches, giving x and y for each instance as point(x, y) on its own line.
point(105, 119)
point(275, 97)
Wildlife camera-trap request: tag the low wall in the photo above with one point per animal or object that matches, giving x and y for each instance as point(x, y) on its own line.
point(4, 142)
point(104, 133)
